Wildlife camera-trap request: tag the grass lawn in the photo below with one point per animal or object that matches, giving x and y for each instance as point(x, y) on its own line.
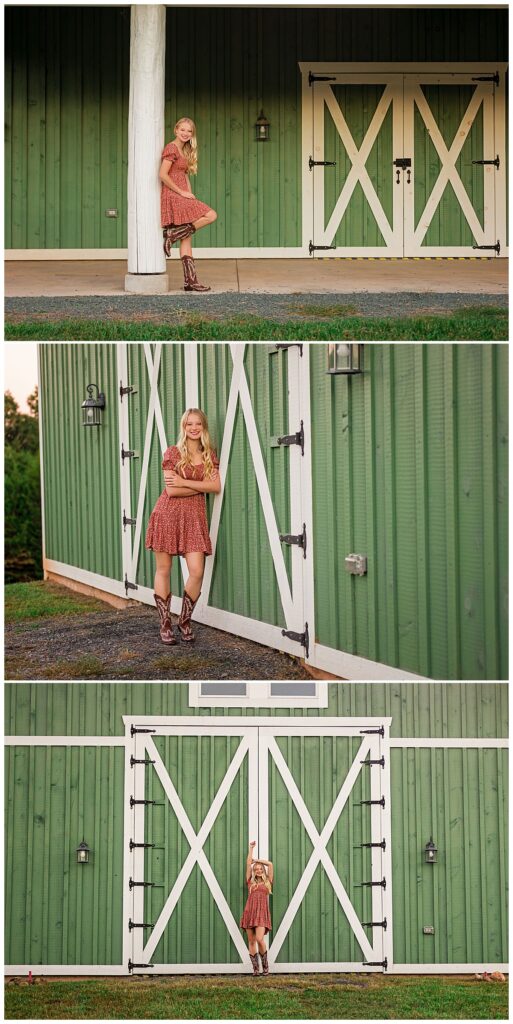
point(473, 323)
point(284, 997)
point(42, 598)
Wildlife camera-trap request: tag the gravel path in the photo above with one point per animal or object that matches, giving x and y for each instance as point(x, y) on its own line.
point(126, 645)
point(161, 308)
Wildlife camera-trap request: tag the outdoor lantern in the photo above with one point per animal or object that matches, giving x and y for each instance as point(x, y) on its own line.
point(343, 358)
point(91, 408)
point(83, 852)
point(262, 126)
point(431, 851)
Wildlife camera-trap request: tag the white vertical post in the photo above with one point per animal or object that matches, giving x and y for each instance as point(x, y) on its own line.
point(124, 465)
point(146, 261)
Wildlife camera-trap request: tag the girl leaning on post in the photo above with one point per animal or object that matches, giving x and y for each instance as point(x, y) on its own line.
point(256, 919)
point(181, 213)
point(178, 524)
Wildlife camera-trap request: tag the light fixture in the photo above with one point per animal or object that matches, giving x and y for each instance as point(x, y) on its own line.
point(344, 358)
point(431, 851)
point(83, 852)
point(262, 126)
point(92, 407)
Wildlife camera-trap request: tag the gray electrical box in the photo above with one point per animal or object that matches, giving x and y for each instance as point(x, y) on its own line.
point(111, 213)
point(356, 564)
point(428, 929)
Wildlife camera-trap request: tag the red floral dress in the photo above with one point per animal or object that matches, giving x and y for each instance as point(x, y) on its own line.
point(179, 525)
point(256, 912)
point(175, 209)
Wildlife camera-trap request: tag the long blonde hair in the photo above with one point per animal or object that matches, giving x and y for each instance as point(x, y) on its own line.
point(265, 881)
point(190, 148)
point(207, 452)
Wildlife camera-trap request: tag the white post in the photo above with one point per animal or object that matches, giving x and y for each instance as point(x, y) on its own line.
point(146, 261)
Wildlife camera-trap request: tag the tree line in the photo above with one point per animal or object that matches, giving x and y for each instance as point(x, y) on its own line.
point(22, 492)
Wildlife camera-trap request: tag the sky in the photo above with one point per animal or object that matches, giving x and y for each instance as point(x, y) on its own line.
point(20, 370)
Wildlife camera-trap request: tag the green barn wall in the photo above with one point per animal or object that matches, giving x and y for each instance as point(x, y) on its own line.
point(410, 468)
point(67, 109)
point(55, 796)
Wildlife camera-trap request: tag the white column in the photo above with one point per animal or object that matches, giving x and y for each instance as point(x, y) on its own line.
point(146, 261)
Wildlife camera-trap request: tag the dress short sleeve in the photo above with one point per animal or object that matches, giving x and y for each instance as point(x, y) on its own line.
point(215, 460)
point(170, 152)
point(171, 457)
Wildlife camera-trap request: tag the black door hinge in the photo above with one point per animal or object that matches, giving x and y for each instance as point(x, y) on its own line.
point(381, 762)
point(154, 803)
point(295, 538)
point(496, 247)
point(126, 391)
point(298, 438)
point(135, 924)
point(488, 78)
point(374, 732)
point(144, 885)
point(376, 963)
point(300, 638)
point(138, 760)
point(132, 966)
point(321, 163)
point(367, 803)
point(496, 163)
point(126, 454)
point(312, 248)
point(127, 521)
point(370, 885)
point(143, 846)
point(129, 586)
point(290, 344)
point(376, 924)
point(134, 730)
point(319, 78)
point(382, 845)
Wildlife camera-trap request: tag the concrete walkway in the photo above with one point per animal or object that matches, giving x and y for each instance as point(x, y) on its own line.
point(38, 278)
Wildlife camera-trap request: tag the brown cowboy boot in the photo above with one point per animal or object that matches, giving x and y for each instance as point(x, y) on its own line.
point(190, 280)
point(254, 960)
point(166, 627)
point(175, 233)
point(265, 963)
point(184, 622)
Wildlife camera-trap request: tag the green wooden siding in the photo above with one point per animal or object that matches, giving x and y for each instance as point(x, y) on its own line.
point(67, 109)
point(410, 468)
point(81, 464)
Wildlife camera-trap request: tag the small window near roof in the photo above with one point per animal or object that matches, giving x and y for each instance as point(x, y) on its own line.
point(258, 695)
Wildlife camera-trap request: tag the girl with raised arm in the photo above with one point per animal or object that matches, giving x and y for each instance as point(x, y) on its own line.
point(256, 919)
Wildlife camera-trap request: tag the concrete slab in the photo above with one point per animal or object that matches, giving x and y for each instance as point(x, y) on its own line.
point(260, 276)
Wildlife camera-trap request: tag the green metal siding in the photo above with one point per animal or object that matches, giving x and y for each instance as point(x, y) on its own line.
point(66, 104)
point(81, 464)
point(410, 468)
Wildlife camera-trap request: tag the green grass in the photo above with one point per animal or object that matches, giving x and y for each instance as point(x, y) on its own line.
point(306, 997)
point(42, 599)
point(479, 323)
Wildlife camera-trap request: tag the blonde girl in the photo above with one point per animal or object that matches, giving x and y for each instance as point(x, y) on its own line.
point(178, 524)
point(256, 919)
point(181, 213)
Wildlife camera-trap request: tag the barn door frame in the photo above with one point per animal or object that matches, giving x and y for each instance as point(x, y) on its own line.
point(257, 741)
point(413, 74)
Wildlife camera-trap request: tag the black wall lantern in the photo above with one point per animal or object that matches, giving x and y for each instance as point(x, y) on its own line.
point(344, 358)
point(431, 851)
point(262, 127)
point(92, 407)
point(83, 852)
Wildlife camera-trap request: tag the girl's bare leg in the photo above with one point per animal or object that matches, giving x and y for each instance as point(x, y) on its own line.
point(259, 935)
point(196, 566)
point(163, 573)
point(252, 942)
point(207, 218)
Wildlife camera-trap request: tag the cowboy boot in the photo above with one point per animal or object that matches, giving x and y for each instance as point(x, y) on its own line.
point(265, 963)
point(184, 622)
point(190, 280)
point(254, 960)
point(166, 627)
point(175, 233)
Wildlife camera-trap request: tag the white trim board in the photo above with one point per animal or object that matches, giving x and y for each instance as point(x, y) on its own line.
point(258, 695)
point(64, 741)
point(235, 252)
point(97, 970)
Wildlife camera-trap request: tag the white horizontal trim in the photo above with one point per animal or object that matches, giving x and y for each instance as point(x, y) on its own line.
point(465, 741)
point(446, 968)
point(406, 67)
point(67, 969)
point(66, 254)
point(262, 720)
point(65, 741)
point(242, 968)
point(207, 253)
point(93, 579)
point(350, 666)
